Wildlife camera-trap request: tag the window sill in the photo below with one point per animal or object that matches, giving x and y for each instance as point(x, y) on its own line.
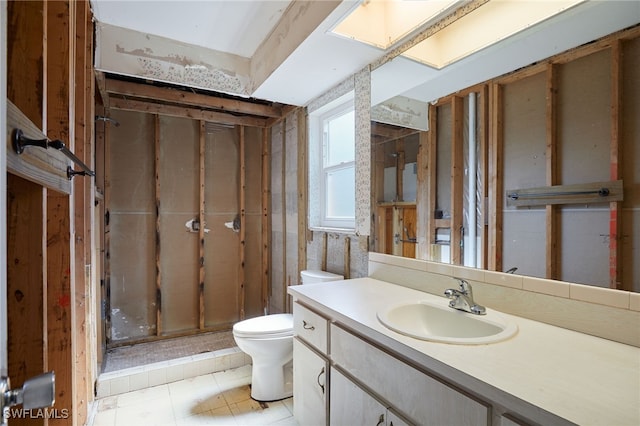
point(346, 231)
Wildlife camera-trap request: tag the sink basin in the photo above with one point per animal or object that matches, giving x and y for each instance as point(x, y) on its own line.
point(431, 321)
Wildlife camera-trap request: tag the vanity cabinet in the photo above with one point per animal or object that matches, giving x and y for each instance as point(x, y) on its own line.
point(351, 405)
point(310, 367)
point(309, 385)
point(417, 396)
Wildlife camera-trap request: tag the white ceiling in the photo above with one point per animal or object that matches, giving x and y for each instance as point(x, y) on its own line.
point(321, 60)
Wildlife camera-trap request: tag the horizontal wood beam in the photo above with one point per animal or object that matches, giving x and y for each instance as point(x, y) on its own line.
point(188, 112)
point(167, 94)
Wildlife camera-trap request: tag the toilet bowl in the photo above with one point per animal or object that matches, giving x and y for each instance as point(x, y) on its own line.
point(268, 340)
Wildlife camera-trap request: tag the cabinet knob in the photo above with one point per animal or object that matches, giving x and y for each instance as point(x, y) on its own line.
point(306, 326)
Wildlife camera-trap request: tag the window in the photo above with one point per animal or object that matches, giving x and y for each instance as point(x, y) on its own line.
point(336, 167)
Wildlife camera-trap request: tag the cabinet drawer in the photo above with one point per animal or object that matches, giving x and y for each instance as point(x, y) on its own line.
point(417, 396)
point(310, 327)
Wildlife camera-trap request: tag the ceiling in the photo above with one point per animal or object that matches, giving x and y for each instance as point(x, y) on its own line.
point(283, 51)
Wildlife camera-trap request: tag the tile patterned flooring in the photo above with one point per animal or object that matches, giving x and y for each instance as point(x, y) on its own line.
point(221, 398)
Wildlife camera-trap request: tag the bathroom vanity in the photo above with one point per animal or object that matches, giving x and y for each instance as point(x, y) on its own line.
point(349, 368)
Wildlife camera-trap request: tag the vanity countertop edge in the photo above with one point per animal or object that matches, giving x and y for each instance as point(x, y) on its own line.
point(577, 377)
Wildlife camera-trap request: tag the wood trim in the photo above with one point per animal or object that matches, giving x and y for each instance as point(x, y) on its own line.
point(457, 175)
point(186, 112)
point(130, 90)
point(156, 165)
point(201, 219)
point(615, 207)
point(243, 221)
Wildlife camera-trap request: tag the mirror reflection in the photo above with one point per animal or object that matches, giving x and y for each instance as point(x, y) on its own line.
point(441, 191)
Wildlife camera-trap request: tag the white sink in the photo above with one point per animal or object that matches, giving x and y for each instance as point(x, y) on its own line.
point(431, 321)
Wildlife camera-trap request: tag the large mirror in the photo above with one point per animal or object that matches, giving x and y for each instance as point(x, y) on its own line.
point(522, 171)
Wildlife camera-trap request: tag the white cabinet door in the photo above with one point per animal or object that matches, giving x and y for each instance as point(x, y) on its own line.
point(417, 396)
point(309, 386)
point(350, 405)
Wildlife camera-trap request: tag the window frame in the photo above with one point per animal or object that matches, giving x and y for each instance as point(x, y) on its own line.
point(343, 223)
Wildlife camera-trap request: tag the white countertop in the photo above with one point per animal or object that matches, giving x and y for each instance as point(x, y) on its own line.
point(580, 378)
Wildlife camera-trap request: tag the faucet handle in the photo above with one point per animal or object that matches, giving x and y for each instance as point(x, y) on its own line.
point(465, 287)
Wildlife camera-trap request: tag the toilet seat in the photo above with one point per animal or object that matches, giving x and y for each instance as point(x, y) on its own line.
point(265, 327)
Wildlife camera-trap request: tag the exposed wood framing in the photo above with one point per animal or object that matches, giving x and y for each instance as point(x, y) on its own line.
point(377, 196)
point(484, 163)
point(283, 210)
point(46, 167)
point(158, 226)
point(347, 258)
point(83, 205)
point(62, 333)
point(551, 220)
point(323, 262)
point(26, 286)
point(457, 176)
point(26, 54)
point(186, 111)
point(400, 160)
point(201, 268)
point(302, 173)
point(423, 218)
point(615, 208)
point(432, 176)
point(101, 86)
point(243, 222)
point(130, 90)
point(266, 218)
point(496, 184)
point(107, 229)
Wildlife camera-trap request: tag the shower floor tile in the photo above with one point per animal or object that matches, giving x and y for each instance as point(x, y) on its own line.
point(140, 354)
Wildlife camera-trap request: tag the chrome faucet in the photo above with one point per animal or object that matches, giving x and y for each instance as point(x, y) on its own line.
point(463, 299)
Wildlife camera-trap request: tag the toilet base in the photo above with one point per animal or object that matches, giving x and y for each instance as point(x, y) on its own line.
point(271, 384)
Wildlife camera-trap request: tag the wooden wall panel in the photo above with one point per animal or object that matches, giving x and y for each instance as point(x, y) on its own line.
point(179, 186)
point(222, 244)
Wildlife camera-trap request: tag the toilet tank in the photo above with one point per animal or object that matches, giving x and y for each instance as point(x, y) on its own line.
point(314, 276)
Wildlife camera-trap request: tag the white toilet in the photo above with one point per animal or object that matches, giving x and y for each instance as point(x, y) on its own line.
point(269, 341)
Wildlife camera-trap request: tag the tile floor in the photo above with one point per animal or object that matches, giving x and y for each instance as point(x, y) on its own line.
point(221, 398)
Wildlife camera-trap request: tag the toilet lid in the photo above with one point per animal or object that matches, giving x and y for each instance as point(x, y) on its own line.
point(273, 325)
